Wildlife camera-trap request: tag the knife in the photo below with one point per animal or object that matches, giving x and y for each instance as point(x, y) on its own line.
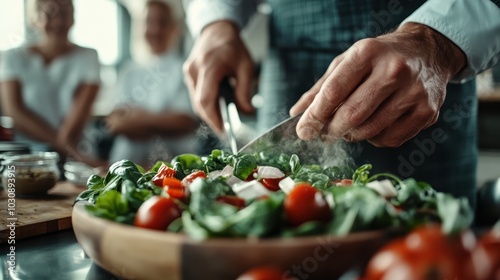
point(225, 98)
point(283, 138)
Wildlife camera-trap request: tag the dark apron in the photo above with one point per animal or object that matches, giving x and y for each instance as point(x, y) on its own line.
point(306, 35)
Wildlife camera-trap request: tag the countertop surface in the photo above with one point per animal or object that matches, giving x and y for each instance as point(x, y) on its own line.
point(55, 256)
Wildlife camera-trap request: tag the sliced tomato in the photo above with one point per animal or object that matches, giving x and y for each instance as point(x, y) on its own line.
point(272, 184)
point(157, 213)
point(232, 200)
point(191, 177)
point(163, 172)
point(263, 273)
point(304, 204)
point(174, 188)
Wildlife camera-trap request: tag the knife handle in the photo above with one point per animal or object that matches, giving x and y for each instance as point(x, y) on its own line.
point(226, 91)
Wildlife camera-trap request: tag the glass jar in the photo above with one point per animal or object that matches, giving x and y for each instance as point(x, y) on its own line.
point(31, 174)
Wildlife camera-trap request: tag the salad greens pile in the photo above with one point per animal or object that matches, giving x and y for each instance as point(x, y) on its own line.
point(354, 205)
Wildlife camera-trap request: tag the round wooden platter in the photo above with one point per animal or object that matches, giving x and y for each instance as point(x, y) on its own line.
point(134, 253)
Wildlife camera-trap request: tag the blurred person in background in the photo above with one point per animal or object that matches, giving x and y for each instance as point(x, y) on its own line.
point(49, 87)
point(154, 120)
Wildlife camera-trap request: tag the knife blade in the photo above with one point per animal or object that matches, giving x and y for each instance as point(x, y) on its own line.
point(283, 138)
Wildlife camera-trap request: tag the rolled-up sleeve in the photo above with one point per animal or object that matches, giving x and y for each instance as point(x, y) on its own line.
point(473, 25)
point(201, 13)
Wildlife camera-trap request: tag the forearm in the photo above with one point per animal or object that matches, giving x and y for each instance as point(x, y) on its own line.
point(474, 26)
point(171, 124)
point(71, 130)
point(25, 120)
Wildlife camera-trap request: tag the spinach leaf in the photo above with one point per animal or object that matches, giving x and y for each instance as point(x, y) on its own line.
point(359, 209)
point(261, 218)
point(244, 166)
point(188, 162)
point(217, 160)
point(204, 194)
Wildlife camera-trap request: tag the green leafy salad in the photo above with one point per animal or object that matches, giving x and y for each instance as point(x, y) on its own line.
point(266, 195)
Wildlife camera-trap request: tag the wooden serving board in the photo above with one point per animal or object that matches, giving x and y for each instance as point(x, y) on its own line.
point(41, 214)
point(135, 253)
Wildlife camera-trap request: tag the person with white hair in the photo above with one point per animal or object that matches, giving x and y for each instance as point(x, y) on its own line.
point(153, 119)
point(48, 87)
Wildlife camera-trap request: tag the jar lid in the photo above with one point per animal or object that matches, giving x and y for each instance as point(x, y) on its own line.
point(37, 158)
point(9, 146)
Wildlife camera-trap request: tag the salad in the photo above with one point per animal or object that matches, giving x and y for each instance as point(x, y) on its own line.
point(266, 195)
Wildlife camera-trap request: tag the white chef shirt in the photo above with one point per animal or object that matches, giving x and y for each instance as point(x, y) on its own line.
point(155, 86)
point(48, 90)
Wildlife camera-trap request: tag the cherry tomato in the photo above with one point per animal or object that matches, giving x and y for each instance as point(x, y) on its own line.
point(488, 252)
point(232, 200)
point(252, 176)
point(174, 188)
point(426, 253)
point(157, 213)
point(163, 171)
point(190, 178)
point(272, 184)
point(263, 273)
point(304, 204)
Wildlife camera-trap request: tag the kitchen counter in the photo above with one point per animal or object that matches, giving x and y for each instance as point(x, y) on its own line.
point(54, 256)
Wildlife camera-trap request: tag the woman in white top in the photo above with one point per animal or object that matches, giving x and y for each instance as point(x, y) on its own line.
point(154, 120)
point(48, 88)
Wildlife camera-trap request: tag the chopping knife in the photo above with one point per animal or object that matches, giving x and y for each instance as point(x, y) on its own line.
point(225, 98)
point(283, 138)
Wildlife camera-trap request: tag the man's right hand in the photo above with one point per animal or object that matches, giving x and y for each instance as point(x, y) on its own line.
point(219, 52)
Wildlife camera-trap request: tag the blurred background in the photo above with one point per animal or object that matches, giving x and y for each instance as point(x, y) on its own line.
point(113, 28)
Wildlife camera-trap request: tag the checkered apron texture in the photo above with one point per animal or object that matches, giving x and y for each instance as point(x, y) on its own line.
point(305, 36)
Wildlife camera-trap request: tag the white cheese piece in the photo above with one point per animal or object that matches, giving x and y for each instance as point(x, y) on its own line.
point(287, 185)
point(269, 172)
point(250, 190)
point(385, 188)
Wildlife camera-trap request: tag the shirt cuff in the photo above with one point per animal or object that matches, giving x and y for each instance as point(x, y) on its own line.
point(201, 13)
point(474, 26)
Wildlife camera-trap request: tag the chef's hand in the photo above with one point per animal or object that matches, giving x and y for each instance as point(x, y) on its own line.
point(384, 90)
point(219, 52)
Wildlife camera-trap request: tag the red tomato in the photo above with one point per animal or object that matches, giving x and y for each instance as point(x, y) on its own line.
point(232, 200)
point(304, 204)
point(163, 171)
point(263, 273)
point(426, 253)
point(488, 252)
point(272, 184)
point(190, 178)
point(157, 213)
point(174, 188)
point(252, 176)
